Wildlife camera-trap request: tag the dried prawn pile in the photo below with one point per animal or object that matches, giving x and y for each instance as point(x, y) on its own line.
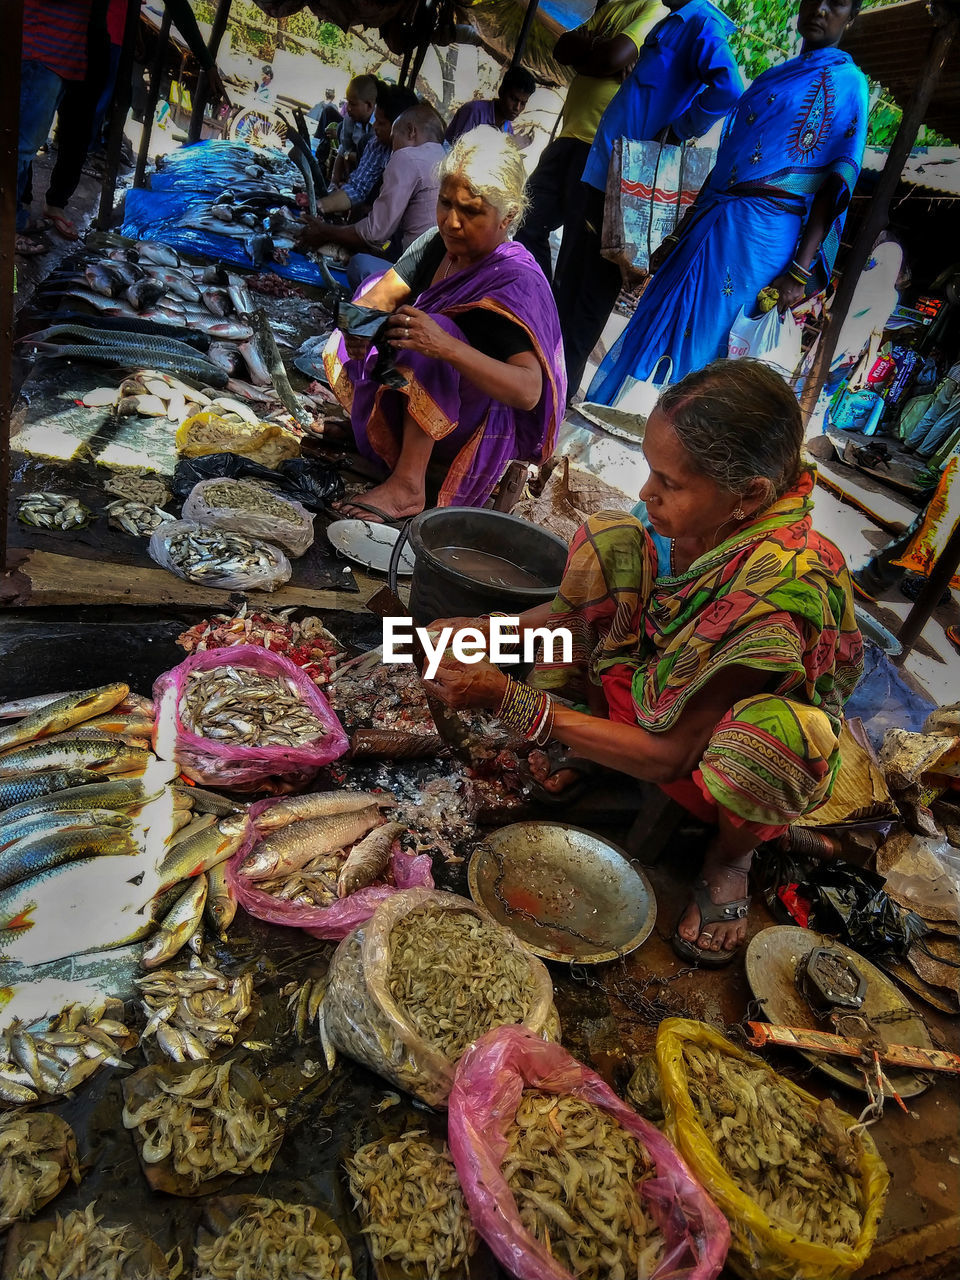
point(799, 1163)
point(79, 1248)
point(239, 705)
point(49, 1059)
point(274, 1240)
point(204, 1125)
point(306, 642)
point(411, 1204)
point(455, 978)
point(37, 1154)
point(575, 1173)
point(193, 1010)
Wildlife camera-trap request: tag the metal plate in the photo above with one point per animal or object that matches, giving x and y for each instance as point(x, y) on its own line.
point(771, 965)
point(369, 544)
point(565, 893)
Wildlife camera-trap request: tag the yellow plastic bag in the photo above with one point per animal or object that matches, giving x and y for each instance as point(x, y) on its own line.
point(265, 442)
point(758, 1246)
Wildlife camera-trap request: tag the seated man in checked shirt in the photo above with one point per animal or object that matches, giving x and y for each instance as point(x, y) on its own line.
point(363, 185)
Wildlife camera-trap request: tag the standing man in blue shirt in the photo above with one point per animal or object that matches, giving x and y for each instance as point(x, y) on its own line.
point(685, 79)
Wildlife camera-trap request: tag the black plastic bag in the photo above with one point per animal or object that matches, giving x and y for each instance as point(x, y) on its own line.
point(363, 322)
point(313, 483)
point(845, 901)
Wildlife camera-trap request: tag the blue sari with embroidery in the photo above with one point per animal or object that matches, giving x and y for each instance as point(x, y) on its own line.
point(797, 124)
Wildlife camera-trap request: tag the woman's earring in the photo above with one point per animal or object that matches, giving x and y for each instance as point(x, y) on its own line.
point(739, 514)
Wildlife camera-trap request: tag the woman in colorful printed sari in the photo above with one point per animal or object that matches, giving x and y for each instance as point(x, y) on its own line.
point(769, 215)
point(714, 647)
point(480, 349)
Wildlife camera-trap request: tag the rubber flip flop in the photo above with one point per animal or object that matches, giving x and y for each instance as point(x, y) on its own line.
point(382, 518)
point(62, 225)
point(711, 913)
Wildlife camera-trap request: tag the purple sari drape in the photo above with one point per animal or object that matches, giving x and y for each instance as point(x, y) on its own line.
point(477, 435)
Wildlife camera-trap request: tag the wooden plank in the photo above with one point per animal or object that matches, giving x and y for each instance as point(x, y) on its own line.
point(65, 580)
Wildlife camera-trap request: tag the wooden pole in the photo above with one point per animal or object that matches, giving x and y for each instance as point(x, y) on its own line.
point(528, 17)
point(153, 97)
point(118, 116)
point(213, 47)
point(9, 134)
point(944, 567)
point(878, 211)
point(418, 63)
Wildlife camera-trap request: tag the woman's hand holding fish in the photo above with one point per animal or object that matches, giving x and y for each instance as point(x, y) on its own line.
point(466, 687)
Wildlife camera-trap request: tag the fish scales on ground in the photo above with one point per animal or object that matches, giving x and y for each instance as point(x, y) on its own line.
point(203, 1125)
point(576, 1174)
point(798, 1162)
point(299, 843)
point(411, 1204)
point(273, 1238)
point(38, 1154)
point(240, 705)
point(200, 1003)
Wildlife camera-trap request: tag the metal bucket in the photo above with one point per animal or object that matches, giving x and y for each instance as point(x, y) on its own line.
point(440, 591)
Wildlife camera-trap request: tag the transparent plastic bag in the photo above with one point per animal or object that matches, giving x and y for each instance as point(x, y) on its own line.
point(342, 916)
point(759, 1247)
point(490, 1078)
point(272, 571)
point(226, 764)
point(289, 525)
point(365, 1022)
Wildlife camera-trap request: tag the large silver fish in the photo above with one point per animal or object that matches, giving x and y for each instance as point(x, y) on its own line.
point(368, 858)
point(99, 755)
point(319, 804)
point(294, 846)
point(178, 925)
point(27, 858)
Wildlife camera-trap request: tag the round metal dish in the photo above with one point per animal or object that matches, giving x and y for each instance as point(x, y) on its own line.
point(771, 965)
point(369, 544)
point(565, 893)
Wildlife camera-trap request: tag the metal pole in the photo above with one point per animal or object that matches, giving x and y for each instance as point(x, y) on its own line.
point(528, 17)
point(213, 47)
point(153, 97)
point(418, 63)
point(9, 133)
point(879, 207)
point(118, 116)
point(944, 567)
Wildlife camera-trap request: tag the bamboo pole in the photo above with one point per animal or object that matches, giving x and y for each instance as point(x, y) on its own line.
point(118, 116)
point(213, 46)
point(9, 133)
point(528, 17)
point(153, 97)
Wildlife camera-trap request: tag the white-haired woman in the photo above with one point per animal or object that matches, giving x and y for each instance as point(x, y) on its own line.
point(476, 334)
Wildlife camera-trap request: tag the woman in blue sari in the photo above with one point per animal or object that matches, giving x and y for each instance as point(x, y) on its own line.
point(769, 215)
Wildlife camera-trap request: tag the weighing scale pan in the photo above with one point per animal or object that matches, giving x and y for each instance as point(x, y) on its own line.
point(771, 965)
point(565, 893)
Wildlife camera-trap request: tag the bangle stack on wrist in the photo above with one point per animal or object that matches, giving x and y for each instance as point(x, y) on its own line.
point(529, 712)
point(513, 632)
point(800, 274)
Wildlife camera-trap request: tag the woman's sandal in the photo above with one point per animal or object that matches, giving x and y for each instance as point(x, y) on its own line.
point(710, 913)
point(395, 522)
point(61, 224)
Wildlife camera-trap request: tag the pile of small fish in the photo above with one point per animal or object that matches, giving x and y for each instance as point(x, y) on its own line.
point(53, 511)
point(213, 558)
point(247, 495)
point(799, 1163)
point(136, 517)
point(306, 642)
point(79, 1248)
point(191, 1011)
point(135, 484)
point(301, 855)
point(575, 1173)
point(204, 1126)
point(275, 1240)
point(238, 704)
point(455, 976)
point(38, 1152)
point(411, 1204)
point(49, 1058)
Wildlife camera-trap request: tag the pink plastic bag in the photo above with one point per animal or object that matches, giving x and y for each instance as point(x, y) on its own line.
point(221, 764)
point(341, 917)
point(490, 1078)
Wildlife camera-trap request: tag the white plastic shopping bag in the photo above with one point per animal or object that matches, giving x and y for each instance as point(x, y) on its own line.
point(772, 338)
point(640, 397)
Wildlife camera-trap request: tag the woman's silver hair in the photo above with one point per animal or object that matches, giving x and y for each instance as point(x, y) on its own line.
point(491, 165)
point(739, 421)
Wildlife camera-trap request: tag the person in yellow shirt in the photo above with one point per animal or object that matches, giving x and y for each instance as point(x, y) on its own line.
point(601, 52)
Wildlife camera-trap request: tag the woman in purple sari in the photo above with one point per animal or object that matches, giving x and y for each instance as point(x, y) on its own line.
point(475, 332)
